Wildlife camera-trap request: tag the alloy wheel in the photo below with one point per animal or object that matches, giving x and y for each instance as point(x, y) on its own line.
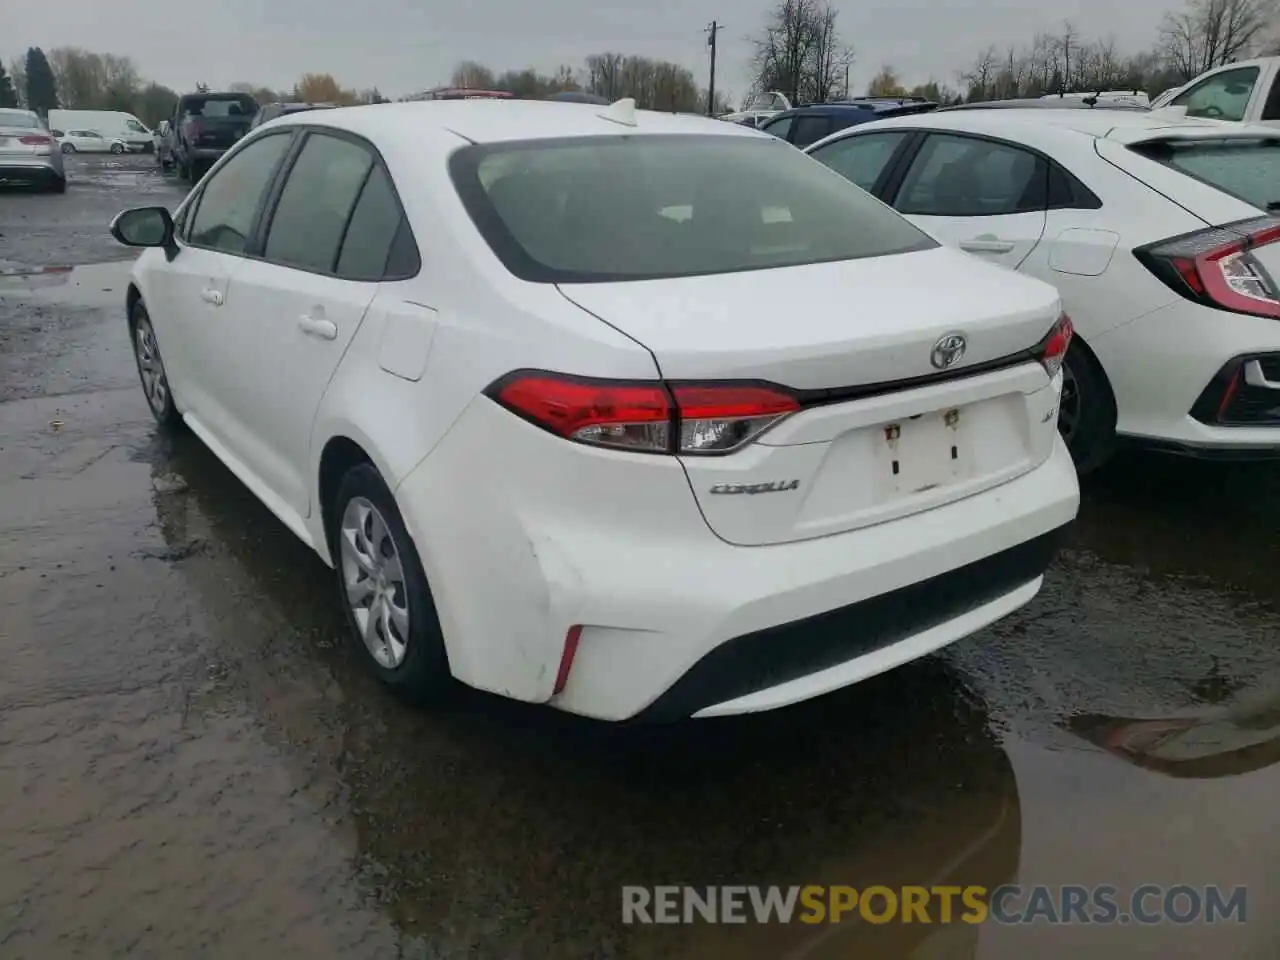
point(155, 383)
point(374, 579)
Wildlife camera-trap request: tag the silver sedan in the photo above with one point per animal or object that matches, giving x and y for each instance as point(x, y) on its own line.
point(28, 152)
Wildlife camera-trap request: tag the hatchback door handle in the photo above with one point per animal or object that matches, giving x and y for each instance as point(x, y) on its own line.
point(323, 329)
point(209, 295)
point(986, 246)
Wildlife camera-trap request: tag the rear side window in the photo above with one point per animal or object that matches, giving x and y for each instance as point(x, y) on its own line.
point(372, 233)
point(1246, 169)
point(969, 177)
point(636, 207)
point(810, 129)
point(311, 216)
point(861, 159)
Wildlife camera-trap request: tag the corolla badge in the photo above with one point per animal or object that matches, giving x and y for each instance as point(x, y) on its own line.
point(775, 486)
point(948, 350)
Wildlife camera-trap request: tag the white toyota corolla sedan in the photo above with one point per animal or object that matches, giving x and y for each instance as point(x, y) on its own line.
point(636, 415)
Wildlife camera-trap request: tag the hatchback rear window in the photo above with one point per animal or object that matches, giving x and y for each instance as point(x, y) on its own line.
point(1247, 169)
point(15, 120)
point(596, 209)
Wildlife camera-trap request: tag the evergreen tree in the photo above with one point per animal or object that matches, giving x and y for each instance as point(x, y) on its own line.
point(42, 90)
point(8, 96)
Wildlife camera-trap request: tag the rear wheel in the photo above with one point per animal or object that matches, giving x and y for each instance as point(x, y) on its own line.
point(151, 371)
point(68, 148)
point(384, 590)
point(187, 170)
point(1087, 411)
point(116, 148)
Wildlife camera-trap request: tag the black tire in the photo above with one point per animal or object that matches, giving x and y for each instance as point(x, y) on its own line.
point(116, 148)
point(423, 675)
point(1087, 415)
point(58, 185)
point(187, 171)
point(149, 147)
point(68, 148)
point(165, 412)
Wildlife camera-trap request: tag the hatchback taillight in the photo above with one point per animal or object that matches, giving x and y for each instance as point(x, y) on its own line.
point(1217, 267)
point(645, 416)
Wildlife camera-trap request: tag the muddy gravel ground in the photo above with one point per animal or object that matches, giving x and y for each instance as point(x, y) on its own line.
point(192, 763)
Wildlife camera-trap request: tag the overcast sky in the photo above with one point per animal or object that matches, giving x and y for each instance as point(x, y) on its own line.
point(406, 45)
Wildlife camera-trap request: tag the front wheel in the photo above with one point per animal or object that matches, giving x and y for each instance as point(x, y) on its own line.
point(384, 591)
point(151, 371)
point(1087, 411)
point(68, 148)
point(116, 148)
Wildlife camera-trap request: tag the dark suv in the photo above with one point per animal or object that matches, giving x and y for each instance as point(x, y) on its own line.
point(801, 126)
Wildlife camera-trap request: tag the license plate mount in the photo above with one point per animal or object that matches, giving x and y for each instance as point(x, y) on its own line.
point(923, 452)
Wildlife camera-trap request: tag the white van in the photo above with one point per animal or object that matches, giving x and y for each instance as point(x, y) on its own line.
point(1247, 91)
point(112, 124)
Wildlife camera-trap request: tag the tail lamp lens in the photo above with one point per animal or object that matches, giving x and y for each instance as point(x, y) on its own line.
point(1056, 344)
point(1217, 267)
point(36, 140)
point(646, 417)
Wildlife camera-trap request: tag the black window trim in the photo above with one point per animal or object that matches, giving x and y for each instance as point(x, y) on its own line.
point(1082, 198)
point(265, 212)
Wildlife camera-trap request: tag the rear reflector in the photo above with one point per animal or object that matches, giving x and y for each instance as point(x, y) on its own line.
point(570, 651)
point(645, 416)
point(1217, 268)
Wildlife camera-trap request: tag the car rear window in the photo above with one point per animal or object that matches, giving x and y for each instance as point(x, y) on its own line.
point(220, 106)
point(1247, 169)
point(596, 209)
point(16, 120)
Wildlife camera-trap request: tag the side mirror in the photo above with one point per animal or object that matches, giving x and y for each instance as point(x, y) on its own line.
point(144, 227)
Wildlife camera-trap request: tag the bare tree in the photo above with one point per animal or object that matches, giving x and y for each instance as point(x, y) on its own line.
point(800, 52)
point(1210, 33)
point(980, 75)
point(886, 84)
point(1068, 42)
point(472, 76)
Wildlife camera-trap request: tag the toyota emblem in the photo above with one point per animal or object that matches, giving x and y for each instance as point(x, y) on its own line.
point(948, 350)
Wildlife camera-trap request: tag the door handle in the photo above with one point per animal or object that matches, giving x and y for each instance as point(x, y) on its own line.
point(986, 246)
point(209, 295)
point(322, 329)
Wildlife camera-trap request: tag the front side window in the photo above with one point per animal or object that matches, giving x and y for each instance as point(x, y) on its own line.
point(307, 227)
point(779, 128)
point(861, 159)
point(636, 207)
point(224, 216)
point(1224, 96)
point(969, 177)
point(135, 126)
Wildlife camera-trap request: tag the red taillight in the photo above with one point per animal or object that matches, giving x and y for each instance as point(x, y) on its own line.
point(1054, 346)
point(571, 638)
point(649, 417)
point(1217, 267)
point(36, 140)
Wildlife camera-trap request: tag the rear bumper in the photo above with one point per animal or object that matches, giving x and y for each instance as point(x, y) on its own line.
point(675, 621)
point(1170, 369)
point(30, 169)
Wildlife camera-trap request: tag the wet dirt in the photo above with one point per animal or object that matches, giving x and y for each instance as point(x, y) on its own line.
point(193, 764)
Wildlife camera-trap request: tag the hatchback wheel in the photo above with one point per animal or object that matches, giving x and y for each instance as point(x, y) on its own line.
point(1087, 411)
point(68, 148)
point(383, 589)
point(116, 148)
point(155, 381)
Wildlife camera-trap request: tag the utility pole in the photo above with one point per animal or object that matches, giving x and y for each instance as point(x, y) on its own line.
point(713, 28)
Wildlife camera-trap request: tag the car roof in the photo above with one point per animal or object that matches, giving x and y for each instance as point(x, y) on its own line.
point(497, 121)
point(1099, 121)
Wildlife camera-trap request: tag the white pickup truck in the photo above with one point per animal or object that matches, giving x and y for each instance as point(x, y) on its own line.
point(1245, 92)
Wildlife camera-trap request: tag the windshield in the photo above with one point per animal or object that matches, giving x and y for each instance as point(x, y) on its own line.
point(1247, 169)
point(644, 207)
point(15, 119)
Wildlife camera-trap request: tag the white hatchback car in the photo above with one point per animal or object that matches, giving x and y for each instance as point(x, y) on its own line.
point(581, 420)
point(1161, 234)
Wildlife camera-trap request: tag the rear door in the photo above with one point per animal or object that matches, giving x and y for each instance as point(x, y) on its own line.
point(987, 197)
